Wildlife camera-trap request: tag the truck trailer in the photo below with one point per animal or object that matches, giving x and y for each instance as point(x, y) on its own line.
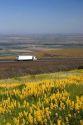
point(25, 57)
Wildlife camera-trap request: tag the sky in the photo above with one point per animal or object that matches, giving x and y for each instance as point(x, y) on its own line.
point(41, 16)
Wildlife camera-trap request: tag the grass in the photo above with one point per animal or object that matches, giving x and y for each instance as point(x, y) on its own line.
point(75, 91)
point(28, 78)
point(60, 52)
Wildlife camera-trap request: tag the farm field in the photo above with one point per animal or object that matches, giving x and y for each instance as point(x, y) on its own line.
point(42, 53)
point(45, 99)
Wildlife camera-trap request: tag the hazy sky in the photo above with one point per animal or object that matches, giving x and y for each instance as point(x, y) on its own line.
point(41, 16)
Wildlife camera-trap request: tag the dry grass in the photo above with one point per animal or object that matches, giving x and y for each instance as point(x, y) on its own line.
point(67, 52)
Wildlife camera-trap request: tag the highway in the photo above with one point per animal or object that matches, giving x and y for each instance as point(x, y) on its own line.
point(44, 60)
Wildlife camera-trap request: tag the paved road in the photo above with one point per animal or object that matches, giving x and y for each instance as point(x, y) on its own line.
point(44, 60)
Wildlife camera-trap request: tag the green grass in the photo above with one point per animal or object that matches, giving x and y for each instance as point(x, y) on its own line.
point(75, 91)
point(30, 78)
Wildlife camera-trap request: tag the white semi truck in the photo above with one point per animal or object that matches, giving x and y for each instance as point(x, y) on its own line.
point(25, 57)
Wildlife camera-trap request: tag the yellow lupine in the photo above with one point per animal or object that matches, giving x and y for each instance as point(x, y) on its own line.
point(40, 111)
point(81, 122)
point(30, 119)
point(58, 122)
